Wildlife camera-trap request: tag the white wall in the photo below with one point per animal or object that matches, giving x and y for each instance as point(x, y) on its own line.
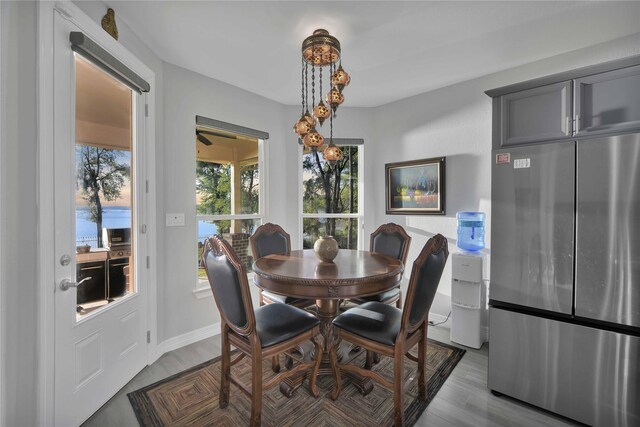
point(455, 122)
point(18, 192)
point(188, 94)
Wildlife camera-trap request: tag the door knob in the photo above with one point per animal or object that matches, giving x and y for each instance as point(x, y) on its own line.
point(65, 284)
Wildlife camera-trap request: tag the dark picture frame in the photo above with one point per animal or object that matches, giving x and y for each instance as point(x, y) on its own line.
point(415, 187)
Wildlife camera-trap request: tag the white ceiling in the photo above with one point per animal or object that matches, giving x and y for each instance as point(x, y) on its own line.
point(392, 49)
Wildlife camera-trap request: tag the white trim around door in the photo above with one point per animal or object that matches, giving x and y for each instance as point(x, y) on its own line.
point(2, 281)
point(45, 254)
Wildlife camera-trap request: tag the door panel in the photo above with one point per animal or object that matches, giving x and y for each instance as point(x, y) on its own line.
point(532, 226)
point(539, 114)
point(587, 374)
point(97, 350)
point(608, 230)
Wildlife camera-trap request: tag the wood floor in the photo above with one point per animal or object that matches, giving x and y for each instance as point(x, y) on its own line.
point(463, 400)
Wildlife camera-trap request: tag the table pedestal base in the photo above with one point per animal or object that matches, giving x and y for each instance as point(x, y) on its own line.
point(327, 311)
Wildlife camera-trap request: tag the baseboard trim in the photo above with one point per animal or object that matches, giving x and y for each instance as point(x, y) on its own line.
point(186, 339)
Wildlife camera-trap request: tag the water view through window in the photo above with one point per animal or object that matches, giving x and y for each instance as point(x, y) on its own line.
point(104, 190)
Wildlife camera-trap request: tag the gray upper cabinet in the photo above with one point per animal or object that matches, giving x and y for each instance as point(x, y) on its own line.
point(608, 102)
point(538, 114)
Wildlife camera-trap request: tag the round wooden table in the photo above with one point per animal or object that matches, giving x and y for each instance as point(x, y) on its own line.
point(351, 274)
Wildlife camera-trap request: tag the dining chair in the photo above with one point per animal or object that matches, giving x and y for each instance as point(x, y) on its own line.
point(392, 332)
point(261, 333)
point(392, 240)
point(269, 239)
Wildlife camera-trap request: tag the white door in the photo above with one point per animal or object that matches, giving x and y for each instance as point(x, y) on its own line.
point(100, 324)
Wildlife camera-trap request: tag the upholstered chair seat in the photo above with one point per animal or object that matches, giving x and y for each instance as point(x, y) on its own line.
point(374, 321)
point(276, 323)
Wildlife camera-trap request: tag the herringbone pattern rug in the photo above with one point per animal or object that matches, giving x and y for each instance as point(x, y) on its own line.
point(190, 398)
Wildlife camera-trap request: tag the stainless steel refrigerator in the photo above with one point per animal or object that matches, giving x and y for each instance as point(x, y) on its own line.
point(565, 278)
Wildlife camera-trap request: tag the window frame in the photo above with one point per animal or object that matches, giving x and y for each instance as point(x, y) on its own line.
point(204, 290)
point(359, 215)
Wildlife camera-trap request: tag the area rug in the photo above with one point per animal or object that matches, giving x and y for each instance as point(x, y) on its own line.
point(190, 398)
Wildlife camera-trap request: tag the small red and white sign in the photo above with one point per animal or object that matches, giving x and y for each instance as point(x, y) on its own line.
point(503, 158)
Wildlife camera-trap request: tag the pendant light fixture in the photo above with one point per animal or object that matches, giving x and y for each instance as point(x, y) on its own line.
point(319, 51)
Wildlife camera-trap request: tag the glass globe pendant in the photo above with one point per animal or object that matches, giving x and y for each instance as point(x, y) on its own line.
point(332, 153)
point(302, 127)
point(334, 98)
point(305, 123)
point(340, 78)
point(321, 112)
point(313, 139)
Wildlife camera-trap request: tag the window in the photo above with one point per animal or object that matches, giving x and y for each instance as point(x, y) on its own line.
point(105, 180)
point(331, 197)
point(228, 191)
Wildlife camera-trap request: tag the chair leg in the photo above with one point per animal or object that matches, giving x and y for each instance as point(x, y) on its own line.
point(398, 374)
point(225, 367)
point(399, 301)
point(333, 360)
point(261, 298)
point(368, 364)
point(422, 356)
point(275, 364)
point(256, 388)
point(313, 388)
point(288, 362)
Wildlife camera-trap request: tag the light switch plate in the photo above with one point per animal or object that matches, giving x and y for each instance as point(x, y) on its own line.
point(175, 220)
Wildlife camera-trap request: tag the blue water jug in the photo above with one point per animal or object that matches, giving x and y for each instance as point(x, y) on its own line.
point(470, 231)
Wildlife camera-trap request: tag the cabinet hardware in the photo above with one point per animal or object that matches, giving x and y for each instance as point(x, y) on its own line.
point(92, 268)
point(119, 265)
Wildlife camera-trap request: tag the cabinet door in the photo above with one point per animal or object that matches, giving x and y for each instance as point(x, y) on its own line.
point(608, 102)
point(93, 289)
point(538, 114)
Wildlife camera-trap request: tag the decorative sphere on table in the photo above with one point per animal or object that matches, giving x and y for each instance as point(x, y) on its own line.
point(326, 248)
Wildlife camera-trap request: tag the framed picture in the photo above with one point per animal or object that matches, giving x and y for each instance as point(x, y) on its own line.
point(415, 187)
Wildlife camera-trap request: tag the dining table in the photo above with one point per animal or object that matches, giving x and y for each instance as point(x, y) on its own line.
point(351, 274)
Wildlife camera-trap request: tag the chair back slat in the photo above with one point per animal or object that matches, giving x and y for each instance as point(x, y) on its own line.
point(391, 240)
point(270, 239)
point(423, 284)
point(228, 281)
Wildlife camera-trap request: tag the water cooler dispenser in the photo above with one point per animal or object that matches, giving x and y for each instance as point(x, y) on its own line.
point(468, 299)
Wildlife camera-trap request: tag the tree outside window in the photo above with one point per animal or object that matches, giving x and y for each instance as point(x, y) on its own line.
point(333, 191)
point(102, 173)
